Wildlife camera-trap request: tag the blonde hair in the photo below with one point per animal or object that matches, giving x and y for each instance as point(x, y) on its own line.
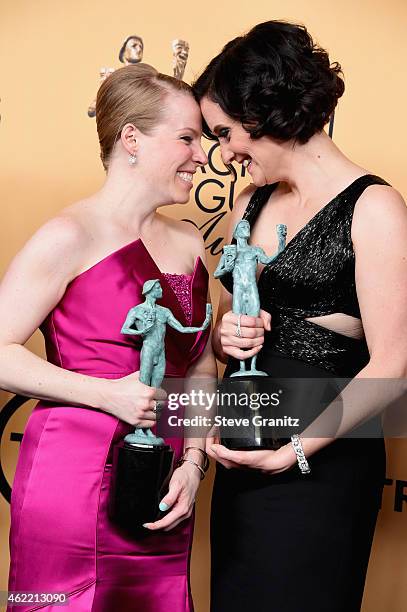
point(132, 94)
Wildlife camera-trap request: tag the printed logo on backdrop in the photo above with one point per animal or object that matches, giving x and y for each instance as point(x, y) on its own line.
point(7, 412)
point(214, 196)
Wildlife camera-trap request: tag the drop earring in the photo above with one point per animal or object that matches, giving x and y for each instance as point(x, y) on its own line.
point(133, 156)
point(132, 159)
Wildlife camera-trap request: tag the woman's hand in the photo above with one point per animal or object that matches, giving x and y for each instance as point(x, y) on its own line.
point(252, 334)
point(180, 497)
point(267, 461)
point(132, 401)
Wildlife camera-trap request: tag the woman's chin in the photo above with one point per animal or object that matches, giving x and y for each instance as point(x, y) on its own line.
point(183, 198)
point(259, 181)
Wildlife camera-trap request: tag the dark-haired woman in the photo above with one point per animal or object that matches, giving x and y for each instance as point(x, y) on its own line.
point(333, 305)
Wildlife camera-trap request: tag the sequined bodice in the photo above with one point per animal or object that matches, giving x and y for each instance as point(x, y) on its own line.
point(313, 276)
point(181, 286)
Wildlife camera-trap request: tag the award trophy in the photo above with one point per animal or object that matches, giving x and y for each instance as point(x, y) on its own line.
point(180, 51)
point(242, 259)
point(142, 462)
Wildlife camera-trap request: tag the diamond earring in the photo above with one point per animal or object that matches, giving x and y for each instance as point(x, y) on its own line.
point(132, 158)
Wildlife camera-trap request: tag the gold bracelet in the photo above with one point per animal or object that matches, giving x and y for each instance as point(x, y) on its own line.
point(205, 456)
point(182, 460)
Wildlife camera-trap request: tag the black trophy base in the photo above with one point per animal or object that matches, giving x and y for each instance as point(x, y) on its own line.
point(140, 478)
point(290, 405)
point(245, 433)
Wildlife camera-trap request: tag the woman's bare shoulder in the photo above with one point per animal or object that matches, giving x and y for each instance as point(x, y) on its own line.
point(379, 206)
point(58, 246)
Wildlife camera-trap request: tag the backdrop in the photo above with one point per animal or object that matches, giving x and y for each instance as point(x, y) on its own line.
point(52, 53)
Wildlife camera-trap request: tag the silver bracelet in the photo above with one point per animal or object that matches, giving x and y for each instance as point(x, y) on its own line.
point(299, 451)
point(182, 460)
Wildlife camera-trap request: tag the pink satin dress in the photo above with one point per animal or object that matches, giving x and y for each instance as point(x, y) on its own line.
point(61, 539)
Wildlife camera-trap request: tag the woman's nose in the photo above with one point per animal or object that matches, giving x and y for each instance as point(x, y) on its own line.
point(227, 155)
point(200, 157)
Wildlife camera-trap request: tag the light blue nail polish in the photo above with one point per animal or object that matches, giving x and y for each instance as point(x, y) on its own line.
point(163, 506)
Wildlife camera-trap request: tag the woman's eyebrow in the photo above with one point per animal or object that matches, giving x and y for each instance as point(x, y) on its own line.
point(191, 130)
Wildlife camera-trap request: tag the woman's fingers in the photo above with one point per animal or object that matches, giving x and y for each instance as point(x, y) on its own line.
point(266, 317)
point(245, 342)
point(251, 338)
point(145, 424)
point(171, 497)
point(175, 516)
point(251, 333)
point(232, 459)
point(245, 320)
point(240, 354)
point(209, 451)
point(159, 394)
point(245, 332)
point(177, 504)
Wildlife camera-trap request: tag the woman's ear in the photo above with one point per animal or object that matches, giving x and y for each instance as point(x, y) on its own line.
point(129, 138)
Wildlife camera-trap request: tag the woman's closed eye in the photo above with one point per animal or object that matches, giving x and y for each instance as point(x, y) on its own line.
point(224, 133)
point(187, 139)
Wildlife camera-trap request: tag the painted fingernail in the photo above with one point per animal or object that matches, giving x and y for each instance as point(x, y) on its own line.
point(146, 525)
point(163, 506)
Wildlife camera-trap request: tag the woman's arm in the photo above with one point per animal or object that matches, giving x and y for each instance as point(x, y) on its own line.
point(32, 286)
point(379, 234)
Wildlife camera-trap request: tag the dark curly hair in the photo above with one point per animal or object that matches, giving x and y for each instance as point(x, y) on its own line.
point(275, 81)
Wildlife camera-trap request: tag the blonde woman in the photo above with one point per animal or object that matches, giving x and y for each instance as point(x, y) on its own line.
point(76, 279)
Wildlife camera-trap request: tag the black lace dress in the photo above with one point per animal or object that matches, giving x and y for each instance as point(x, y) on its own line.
point(288, 542)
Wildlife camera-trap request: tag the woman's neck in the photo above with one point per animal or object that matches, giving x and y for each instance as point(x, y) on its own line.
point(126, 202)
point(314, 168)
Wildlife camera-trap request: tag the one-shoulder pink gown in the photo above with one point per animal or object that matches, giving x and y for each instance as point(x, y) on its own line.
point(61, 538)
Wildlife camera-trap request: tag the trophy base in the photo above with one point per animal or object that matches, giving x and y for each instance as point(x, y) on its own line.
point(140, 478)
point(143, 437)
point(248, 373)
point(290, 406)
point(244, 433)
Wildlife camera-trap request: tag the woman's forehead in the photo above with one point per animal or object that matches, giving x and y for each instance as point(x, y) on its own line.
point(213, 113)
point(182, 110)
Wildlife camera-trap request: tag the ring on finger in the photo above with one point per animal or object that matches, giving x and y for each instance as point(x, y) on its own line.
point(158, 406)
point(238, 331)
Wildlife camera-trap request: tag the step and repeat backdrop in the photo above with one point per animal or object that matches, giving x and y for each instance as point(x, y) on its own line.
point(53, 57)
